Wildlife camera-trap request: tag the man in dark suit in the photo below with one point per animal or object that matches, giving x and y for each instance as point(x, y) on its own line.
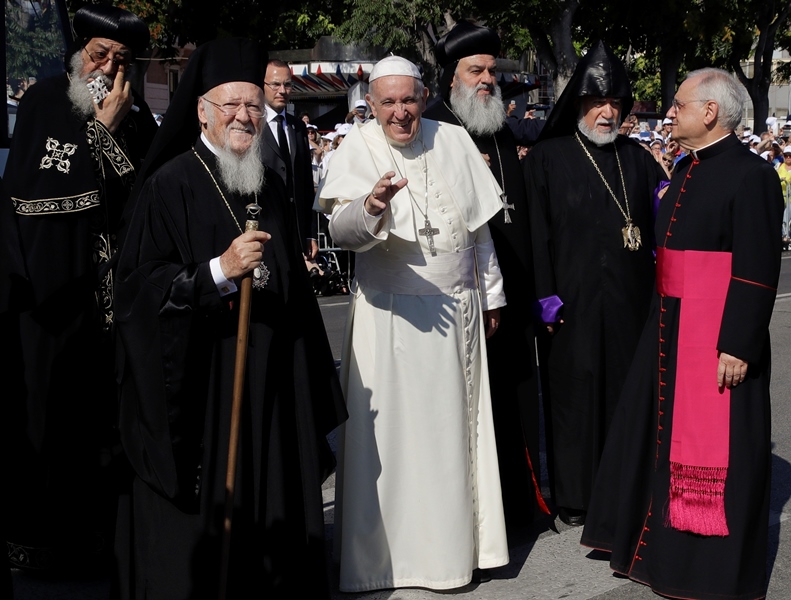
point(287, 151)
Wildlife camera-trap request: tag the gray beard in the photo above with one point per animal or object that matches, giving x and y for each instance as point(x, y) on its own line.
point(243, 174)
point(79, 94)
point(479, 115)
point(600, 139)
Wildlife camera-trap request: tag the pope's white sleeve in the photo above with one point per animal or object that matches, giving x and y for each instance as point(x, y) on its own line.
point(489, 276)
point(352, 228)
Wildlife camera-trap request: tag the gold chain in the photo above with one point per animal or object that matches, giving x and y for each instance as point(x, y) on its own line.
point(260, 273)
point(228, 206)
point(626, 214)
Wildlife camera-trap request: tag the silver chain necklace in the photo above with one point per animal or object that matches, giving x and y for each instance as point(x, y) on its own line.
point(261, 272)
point(631, 233)
point(427, 231)
point(503, 195)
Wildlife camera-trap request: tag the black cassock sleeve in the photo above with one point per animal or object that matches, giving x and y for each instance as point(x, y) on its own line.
point(756, 215)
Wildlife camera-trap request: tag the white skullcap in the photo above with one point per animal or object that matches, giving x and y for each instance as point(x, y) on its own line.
point(394, 65)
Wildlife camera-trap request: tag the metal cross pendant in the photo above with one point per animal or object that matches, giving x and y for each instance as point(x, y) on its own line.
point(429, 232)
point(506, 207)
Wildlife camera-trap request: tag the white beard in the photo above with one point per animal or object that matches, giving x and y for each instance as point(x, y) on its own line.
point(600, 139)
point(243, 174)
point(480, 115)
point(79, 94)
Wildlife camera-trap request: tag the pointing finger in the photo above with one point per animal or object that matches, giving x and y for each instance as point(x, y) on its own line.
point(119, 77)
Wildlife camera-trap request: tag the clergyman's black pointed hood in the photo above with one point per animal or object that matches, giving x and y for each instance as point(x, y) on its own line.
point(598, 73)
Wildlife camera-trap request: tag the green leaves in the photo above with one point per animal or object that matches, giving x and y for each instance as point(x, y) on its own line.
point(34, 42)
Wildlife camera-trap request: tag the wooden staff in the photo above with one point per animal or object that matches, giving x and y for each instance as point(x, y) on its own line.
point(236, 408)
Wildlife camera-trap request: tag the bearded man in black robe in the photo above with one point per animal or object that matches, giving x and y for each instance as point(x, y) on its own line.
point(78, 141)
point(590, 193)
point(178, 315)
point(682, 497)
point(471, 98)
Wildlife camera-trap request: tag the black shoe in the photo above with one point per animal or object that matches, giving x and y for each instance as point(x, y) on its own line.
point(572, 516)
point(481, 575)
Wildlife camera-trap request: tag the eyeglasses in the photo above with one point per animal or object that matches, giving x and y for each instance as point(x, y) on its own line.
point(231, 109)
point(100, 57)
point(274, 86)
point(679, 105)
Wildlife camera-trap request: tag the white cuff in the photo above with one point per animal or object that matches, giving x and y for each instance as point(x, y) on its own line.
point(372, 223)
point(224, 286)
point(489, 276)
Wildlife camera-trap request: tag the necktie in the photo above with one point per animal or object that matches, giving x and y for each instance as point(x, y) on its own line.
point(282, 141)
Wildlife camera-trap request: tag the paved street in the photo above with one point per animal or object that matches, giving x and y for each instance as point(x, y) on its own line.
point(547, 562)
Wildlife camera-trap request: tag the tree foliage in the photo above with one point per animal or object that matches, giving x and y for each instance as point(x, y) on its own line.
point(659, 44)
point(278, 24)
point(34, 41)
point(767, 17)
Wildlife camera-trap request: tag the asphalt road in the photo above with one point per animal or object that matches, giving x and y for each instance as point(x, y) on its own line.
point(547, 561)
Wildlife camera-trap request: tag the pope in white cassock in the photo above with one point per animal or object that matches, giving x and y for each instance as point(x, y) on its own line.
point(418, 492)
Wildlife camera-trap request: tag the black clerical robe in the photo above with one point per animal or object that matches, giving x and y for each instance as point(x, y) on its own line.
point(730, 204)
point(605, 288)
point(511, 352)
point(178, 339)
point(69, 179)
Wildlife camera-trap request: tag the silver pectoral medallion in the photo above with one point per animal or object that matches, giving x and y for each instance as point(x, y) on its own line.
point(260, 277)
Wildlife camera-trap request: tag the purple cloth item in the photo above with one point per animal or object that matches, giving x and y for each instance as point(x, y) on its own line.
point(547, 309)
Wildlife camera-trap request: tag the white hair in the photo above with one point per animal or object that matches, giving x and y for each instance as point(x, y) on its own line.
point(600, 139)
point(725, 90)
point(481, 115)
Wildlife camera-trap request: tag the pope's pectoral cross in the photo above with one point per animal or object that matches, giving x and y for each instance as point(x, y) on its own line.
point(429, 232)
point(506, 207)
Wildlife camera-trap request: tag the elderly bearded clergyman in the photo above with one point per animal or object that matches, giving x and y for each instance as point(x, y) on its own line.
point(418, 489)
point(70, 169)
point(470, 97)
point(590, 195)
point(177, 318)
